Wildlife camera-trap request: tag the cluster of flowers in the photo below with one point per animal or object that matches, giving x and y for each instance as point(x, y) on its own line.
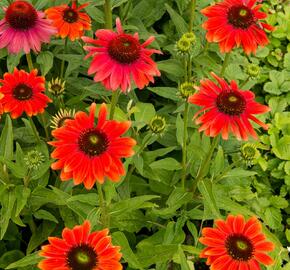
point(88, 153)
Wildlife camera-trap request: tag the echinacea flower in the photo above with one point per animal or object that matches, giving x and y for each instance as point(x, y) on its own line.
point(236, 244)
point(79, 249)
point(235, 23)
point(227, 109)
point(120, 57)
point(23, 92)
point(87, 152)
point(24, 28)
point(69, 20)
point(58, 120)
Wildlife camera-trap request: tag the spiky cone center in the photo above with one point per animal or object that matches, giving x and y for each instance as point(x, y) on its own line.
point(21, 15)
point(240, 16)
point(22, 92)
point(70, 15)
point(183, 45)
point(34, 159)
point(253, 70)
point(93, 142)
point(239, 247)
point(157, 124)
point(56, 87)
point(231, 103)
point(189, 36)
point(124, 49)
point(82, 257)
point(186, 89)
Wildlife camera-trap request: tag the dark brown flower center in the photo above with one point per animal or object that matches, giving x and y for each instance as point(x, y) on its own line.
point(70, 15)
point(93, 142)
point(21, 15)
point(22, 92)
point(82, 257)
point(239, 247)
point(231, 103)
point(241, 17)
point(124, 49)
point(62, 120)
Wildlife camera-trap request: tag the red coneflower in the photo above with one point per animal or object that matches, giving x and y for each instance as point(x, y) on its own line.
point(23, 92)
point(120, 57)
point(236, 22)
point(236, 245)
point(69, 21)
point(78, 249)
point(87, 152)
point(227, 109)
point(24, 28)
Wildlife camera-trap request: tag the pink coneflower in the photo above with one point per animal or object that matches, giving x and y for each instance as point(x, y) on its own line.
point(120, 57)
point(24, 28)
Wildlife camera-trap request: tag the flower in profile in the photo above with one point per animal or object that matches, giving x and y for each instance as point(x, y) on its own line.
point(62, 115)
point(236, 23)
point(87, 152)
point(80, 249)
point(56, 87)
point(120, 57)
point(24, 28)
point(227, 109)
point(236, 244)
point(69, 20)
point(23, 92)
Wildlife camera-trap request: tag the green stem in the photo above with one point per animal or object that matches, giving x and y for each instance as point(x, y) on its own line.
point(36, 135)
point(114, 101)
point(29, 61)
point(108, 14)
point(63, 61)
point(205, 164)
point(225, 64)
point(26, 178)
point(44, 126)
point(103, 206)
point(5, 173)
point(184, 146)
point(192, 11)
point(245, 82)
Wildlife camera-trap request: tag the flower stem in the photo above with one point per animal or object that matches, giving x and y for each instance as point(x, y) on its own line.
point(184, 146)
point(245, 82)
point(26, 178)
point(108, 14)
point(103, 206)
point(62, 61)
point(205, 164)
point(225, 64)
point(114, 101)
point(29, 62)
point(36, 135)
point(44, 126)
point(192, 11)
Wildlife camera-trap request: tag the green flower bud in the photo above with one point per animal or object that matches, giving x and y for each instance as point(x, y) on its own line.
point(157, 124)
point(250, 153)
point(190, 36)
point(33, 159)
point(186, 89)
point(253, 70)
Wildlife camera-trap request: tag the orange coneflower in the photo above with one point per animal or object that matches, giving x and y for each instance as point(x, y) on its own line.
point(227, 109)
point(236, 23)
point(23, 92)
point(78, 249)
point(69, 21)
point(87, 152)
point(236, 244)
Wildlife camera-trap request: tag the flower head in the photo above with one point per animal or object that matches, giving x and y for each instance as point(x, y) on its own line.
point(253, 70)
point(56, 87)
point(183, 46)
point(157, 124)
point(24, 28)
point(236, 244)
point(227, 109)
point(69, 20)
point(78, 249)
point(120, 57)
point(23, 92)
point(33, 159)
point(235, 23)
point(186, 89)
point(60, 118)
point(87, 152)
point(250, 153)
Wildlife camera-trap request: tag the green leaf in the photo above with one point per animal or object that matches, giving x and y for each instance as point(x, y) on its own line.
point(21, 193)
point(31, 259)
point(9, 257)
point(169, 164)
point(172, 67)
point(166, 92)
point(120, 239)
point(273, 217)
point(45, 60)
point(182, 259)
point(43, 214)
point(144, 113)
point(6, 139)
point(180, 24)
